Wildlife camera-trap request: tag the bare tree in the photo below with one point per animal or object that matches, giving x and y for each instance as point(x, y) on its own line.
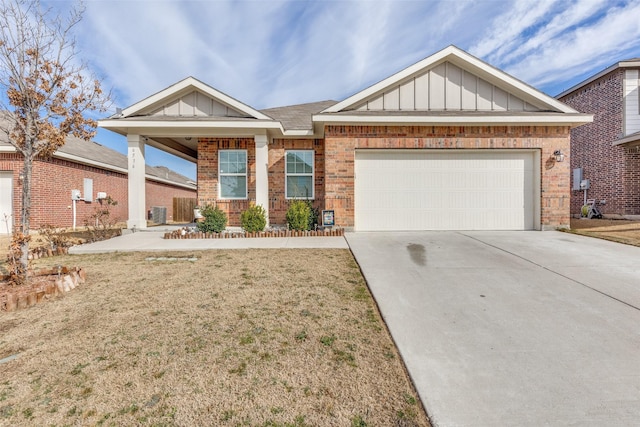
point(48, 90)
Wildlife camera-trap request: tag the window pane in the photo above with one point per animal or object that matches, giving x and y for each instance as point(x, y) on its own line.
point(224, 161)
point(299, 186)
point(241, 165)
point(300, 161)
point(233, 162)
point(233, 187)
point(307, 158)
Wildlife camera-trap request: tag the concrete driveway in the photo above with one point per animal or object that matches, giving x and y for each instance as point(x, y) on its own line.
point(512, 328)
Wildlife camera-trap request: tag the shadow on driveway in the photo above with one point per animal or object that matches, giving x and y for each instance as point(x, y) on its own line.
point(511, 328)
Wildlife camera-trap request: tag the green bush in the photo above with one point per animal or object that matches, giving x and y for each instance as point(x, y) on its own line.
point(215, 220)
point(299, 215)
point(253, 219)
point(314, 217)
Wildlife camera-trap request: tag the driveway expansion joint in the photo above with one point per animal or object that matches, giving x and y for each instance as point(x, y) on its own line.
point(550, 270)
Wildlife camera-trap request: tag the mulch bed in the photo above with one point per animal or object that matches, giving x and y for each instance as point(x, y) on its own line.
point(186, 233)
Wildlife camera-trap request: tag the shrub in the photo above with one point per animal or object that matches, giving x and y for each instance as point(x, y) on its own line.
point(313, 217)
point(253, 219)
point(298, 215)
point(100, 224)
point(215, 220)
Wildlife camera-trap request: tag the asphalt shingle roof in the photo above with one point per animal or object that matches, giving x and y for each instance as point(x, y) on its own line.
point(297, 117)
point(95, 152)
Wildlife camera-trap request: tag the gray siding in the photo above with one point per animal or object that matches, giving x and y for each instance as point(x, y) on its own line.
point(196, 104)
point(445, 87)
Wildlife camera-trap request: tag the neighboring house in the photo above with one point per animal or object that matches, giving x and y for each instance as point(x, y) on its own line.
point(608, 150)
point(85, 166)
point(447, 143)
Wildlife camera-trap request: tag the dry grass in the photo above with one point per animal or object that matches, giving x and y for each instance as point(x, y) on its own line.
point(621, 231)
point(245, 337)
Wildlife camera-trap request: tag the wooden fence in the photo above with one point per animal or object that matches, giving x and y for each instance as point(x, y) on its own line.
point(183, 209)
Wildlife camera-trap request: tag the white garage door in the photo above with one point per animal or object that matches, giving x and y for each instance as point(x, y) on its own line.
point(6, 205)
point(445, 190)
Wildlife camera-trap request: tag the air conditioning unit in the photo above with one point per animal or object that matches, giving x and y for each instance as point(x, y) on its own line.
point(159, 214)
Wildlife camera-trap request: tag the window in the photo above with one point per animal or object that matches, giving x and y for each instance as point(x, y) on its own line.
point(299, 174)
point(232, 167)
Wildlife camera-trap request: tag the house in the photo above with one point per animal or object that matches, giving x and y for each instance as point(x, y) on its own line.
point(447, 143)
point(96, 171)
point(606, 152)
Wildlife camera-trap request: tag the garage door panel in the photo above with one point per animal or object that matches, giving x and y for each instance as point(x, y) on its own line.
point(444, 190)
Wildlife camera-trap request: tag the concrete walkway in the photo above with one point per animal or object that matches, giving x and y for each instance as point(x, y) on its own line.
point(152, 240)
point(512, 328)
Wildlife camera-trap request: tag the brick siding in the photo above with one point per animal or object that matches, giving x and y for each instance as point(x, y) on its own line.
point(52, 182)
point(342, 141)
point(614, 171)
point(278, 204)
point(208, 175)
point(335, 156)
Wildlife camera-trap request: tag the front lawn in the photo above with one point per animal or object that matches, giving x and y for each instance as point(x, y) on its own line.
point(616, 230)
point(242, 337)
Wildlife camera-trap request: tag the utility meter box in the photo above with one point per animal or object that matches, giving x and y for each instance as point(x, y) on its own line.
point(101, 195)
point(585, 184)
point(75, 195)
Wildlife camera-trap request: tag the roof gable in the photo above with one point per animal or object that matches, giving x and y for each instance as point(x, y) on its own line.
point(191, 98)
point(450, 80)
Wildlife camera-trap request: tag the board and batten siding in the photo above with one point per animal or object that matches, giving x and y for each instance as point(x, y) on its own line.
point(445, 87)
point(196, 104)
point(631, 101)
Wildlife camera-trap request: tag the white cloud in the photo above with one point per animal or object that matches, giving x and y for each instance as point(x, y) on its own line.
point(586, 50)
point(509, 27)
point(274, 53)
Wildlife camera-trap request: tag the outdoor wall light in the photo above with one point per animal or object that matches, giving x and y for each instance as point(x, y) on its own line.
point(558, 155)
point(21, 176)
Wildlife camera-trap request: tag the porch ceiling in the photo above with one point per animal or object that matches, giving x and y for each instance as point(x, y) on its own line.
point(179, 136)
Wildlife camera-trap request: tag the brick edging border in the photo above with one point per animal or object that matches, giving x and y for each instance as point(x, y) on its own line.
point(186, 234)
point(61, 280)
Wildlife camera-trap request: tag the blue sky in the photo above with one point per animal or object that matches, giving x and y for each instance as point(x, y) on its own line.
point(274, 53)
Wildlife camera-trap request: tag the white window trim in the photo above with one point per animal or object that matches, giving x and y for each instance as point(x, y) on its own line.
point(246, 176)
point(312, 174)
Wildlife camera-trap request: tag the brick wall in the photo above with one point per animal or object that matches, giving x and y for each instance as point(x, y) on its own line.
point(161, 194)
point(53, 180)
point(614, 171)
point(342, 141)
point(278, 204)
point(208, 174)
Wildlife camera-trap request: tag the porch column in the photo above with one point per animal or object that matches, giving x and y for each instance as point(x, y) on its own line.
point(262, 176)
point(136, 182)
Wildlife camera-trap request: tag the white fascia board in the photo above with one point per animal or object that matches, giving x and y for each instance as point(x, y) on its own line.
point(298, 132)
point(187, 128)
point(558, 120)
point(381, 85)
point(88, 162)
point(168, 182)
point(465, 61)
point(7, 149)
point(200, 124)
point(622, 64)
point(635, 137)
point(197, 84)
